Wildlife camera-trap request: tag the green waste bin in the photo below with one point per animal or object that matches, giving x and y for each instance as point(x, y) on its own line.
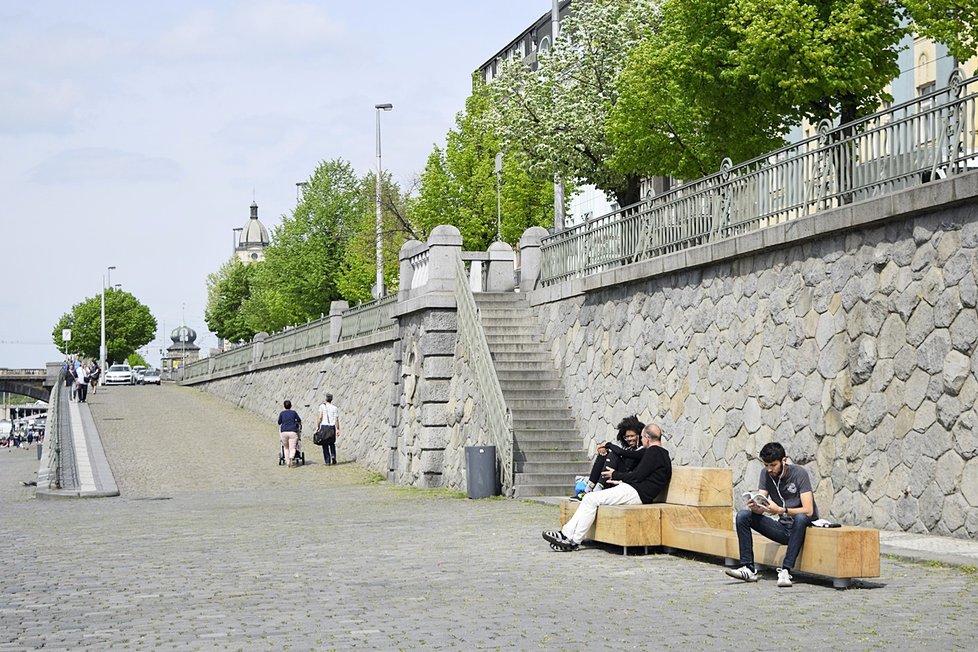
point(480, 465)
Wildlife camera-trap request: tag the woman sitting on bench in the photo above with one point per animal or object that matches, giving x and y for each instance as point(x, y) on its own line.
point(625, 457)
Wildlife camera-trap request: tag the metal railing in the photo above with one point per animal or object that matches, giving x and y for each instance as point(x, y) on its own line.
point(296, 340)
point(498, 418)
point(930, 137)
point(368, 318)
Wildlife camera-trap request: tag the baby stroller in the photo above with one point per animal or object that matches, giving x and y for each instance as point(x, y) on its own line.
point(300, 457)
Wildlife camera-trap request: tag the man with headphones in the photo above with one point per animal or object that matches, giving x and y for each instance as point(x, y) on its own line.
point(782, 512)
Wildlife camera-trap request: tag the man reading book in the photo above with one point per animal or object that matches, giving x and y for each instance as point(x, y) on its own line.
point(783, 517)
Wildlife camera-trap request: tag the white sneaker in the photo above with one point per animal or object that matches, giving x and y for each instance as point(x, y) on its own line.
point(784, 577)
point(743, 573)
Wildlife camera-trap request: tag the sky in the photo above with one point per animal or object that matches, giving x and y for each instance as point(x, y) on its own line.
point(137, 134)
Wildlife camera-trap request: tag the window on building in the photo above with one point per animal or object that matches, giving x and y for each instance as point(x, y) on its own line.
point(545, 44)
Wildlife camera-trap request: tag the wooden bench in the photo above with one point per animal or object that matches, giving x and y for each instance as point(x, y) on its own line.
point(697, 515)
point(707, 491)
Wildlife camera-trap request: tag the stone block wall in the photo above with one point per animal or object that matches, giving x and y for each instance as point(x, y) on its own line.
point(857, 351)
point(359, 380)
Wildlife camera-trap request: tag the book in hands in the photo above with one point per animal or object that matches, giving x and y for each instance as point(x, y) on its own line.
point(757, 498)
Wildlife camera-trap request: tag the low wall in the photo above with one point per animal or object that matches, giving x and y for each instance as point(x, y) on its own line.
point(849, 337)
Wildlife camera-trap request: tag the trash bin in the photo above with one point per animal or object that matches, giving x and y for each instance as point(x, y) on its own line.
point(480, 464)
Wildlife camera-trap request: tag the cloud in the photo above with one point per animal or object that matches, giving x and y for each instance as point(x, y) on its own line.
point(252, 30)
point(104, 164)
point(33, 107)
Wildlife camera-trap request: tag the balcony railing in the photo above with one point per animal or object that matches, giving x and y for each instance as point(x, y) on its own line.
point(930, 137)
point(368, 318)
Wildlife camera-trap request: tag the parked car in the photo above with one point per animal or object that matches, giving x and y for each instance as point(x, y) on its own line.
point(150, 377)
point(119, 374)
point(137, 372)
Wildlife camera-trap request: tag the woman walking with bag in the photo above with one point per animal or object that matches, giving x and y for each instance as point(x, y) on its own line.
point(328, 429)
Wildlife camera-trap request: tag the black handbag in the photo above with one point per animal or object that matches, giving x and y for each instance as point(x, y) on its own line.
point(320, 437)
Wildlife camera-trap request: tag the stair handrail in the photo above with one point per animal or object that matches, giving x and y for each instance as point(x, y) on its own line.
point(498, 417)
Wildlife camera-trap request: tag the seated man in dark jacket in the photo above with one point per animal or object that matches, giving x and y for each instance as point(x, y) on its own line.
point(639, 486)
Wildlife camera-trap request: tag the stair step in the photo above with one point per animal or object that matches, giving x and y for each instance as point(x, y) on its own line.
point(525, 376)
point(552, 444)
point(552, 456)
point(527, 355)
point(561, 467)
point(533, 414)
point(525, 489)
point(530, 422)
point(532, 389)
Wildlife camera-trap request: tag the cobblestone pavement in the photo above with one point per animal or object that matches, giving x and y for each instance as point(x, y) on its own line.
point(213, 546)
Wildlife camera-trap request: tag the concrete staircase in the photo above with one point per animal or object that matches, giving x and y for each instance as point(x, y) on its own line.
point(548, 451)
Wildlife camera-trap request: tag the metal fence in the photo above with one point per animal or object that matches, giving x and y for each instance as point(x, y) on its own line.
point(927, 138)
point(499, 419)
point(368, 318)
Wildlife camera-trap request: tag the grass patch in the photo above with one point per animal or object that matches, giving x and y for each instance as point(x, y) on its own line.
point(933, 563)
point(430, 493)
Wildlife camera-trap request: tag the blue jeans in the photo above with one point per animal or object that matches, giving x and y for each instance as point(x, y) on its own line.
point(792, 535)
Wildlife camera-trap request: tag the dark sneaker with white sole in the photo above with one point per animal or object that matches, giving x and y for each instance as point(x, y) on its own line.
point(559, 542)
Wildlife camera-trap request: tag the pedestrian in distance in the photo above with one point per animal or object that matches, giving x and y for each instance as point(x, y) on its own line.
point(94, 371)
point(781, 510)
point(69, 371)
point(640, 486)
point(81, 383)
point(328, 427)
point(289, 423)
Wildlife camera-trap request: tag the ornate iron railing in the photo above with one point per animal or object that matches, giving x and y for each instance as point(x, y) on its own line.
point(906, 145)
point(296, 340)
point(498, 418)
point(368, 318)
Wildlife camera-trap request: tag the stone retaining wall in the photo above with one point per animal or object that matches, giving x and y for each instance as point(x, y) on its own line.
point(359, 381)
point(856, 351)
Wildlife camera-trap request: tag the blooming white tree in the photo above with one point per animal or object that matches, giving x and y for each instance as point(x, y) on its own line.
point(558, 113)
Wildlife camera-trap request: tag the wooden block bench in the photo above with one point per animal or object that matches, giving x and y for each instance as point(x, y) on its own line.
point(696, 514)
point(707, 491)
point(841, 554)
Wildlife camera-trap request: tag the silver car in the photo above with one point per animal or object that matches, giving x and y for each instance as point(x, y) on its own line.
point(150, 377)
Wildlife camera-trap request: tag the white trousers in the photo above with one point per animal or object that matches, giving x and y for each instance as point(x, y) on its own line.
point(620, 494)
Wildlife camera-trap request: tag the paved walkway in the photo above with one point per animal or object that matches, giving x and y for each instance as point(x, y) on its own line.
point(213, 546)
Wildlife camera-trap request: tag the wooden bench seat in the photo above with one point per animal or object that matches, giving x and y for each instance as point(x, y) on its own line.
point(696, 514)
point(708, 491)
point(842, 553)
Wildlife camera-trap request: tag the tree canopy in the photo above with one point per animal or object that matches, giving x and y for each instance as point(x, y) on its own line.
point(723, 78)
point(558, 114)
point(128, 326)
point(951, 22)
point(227, 290)
point(458, 186)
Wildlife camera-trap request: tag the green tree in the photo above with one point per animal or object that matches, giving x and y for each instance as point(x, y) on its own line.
point(227, 290)
point(951, 22)
point(725, 78)
point(358, 271)
point(128, 326)
point(458, 186)
point(298, 279)
point(558, 114)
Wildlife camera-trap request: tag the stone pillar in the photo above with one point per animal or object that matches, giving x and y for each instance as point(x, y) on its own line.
point(258, 347)
point(531, 261)
point(437, 351)
point(407, 251)
point(336, 309)
point(501, 276)
point(444, 247)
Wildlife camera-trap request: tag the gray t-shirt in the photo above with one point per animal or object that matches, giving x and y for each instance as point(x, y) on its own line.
point(787, 490)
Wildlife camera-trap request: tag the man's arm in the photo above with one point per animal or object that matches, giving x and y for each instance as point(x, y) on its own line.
point(319, 419)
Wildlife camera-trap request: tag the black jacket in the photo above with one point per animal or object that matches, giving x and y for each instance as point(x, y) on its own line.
point(652, 474)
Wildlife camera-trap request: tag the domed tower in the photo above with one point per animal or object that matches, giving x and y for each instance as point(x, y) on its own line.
point(253, 239)
point(183, 350)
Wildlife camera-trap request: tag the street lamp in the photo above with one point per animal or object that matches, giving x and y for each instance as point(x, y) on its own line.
point(380, 259)
point(237, 237)
point(101, 349)
point(499, 210)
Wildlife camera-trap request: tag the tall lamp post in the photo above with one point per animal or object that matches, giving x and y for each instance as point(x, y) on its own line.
point(101, 349)
point(237, 238)
point(380, 258)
